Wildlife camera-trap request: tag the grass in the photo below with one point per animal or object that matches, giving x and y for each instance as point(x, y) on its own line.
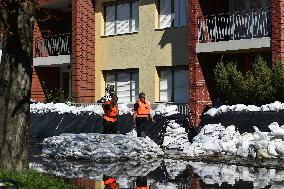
point(33, 180)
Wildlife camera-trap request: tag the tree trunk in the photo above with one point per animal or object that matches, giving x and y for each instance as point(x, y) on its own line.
point(16, 22)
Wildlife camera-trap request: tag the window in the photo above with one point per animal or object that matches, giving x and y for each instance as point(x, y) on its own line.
point(126, 85)
point(174, 85)
point(173, 13)
point(122, 18)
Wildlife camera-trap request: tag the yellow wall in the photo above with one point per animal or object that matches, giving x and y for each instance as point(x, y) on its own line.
point(145, 50)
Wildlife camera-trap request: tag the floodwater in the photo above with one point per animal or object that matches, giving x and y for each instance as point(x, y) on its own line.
point(157, 174)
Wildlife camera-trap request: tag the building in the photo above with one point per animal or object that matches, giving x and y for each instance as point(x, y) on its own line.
point(167, 48)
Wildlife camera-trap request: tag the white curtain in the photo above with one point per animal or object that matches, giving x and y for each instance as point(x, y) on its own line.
point(181, 86)
point(165, 13)
point(123, 18)
point(123, 87)
point(135, 16)
point(165, 85)
point(110, 20)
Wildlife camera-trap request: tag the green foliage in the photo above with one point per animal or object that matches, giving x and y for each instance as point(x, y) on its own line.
point(278, 80)
point(110, 90)
point(55, 96)
point(261, 85)
point(33, 179)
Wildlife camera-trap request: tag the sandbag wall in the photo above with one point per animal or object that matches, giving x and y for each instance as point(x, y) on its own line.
point(52, 124)
point(245, 121)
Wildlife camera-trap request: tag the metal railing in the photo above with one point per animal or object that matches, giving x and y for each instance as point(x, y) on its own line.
point(234, 26)
point(183, 108)
point(53, 45)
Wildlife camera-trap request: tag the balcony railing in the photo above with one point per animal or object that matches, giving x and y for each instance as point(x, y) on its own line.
point(235, 26)
point(53, 45)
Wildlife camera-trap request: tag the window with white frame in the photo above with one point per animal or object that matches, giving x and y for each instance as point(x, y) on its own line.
point(173, 13)
point(126, 85)
point(174, 85)
point(122, 18)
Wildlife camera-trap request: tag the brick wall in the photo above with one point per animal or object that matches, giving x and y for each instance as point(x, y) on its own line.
point(277, 30)
point(198, 93)
point(83, 50)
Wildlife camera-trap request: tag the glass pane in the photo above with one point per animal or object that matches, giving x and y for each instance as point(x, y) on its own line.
point(123, 18)
point(135, 16)
point(183, 12)
point(165, 86)
point(135, 86)
point(110, 79)
point(181, 86)
point(165, 13)
point(177, 13)
point(110, 20)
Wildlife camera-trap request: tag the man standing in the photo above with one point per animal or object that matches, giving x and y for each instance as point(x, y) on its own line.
point(110, 116)
point(142, 115)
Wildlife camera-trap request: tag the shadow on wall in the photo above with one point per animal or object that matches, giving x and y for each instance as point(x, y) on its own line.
point(178, 39)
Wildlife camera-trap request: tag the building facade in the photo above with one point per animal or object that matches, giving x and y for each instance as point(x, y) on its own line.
point(165, 48)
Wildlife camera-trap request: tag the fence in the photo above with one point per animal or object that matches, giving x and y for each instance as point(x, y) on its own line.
point(181, 107)
point(234, 26)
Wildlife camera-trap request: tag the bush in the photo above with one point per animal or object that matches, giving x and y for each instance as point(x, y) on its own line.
point(55, 96)
point(261, 85)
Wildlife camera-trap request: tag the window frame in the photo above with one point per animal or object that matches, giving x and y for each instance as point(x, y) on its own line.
point(131, 72)
point(116, 3)
point(172, 15)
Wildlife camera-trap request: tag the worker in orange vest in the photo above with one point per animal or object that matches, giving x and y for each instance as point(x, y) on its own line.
point(141, 183)
point(142, 115)
point(110, 182)
point(110, 116)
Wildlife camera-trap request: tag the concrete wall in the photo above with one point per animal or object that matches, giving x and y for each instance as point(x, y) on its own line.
point(145, 50)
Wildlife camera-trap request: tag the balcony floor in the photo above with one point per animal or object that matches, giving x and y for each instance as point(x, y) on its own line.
point(234, 45)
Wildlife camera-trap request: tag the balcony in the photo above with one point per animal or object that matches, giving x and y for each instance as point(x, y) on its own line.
point(52, 50)
point(234, 31)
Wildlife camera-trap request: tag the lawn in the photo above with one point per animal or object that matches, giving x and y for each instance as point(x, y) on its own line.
point(34, 180)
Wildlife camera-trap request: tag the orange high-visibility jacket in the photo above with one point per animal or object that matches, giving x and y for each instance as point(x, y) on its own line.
point(143, 109)
point(111, 182)
point(142, 187)
point(111, 116)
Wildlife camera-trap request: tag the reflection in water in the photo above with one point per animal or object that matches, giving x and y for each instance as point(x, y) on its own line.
point(159, 174)
point(162, 174)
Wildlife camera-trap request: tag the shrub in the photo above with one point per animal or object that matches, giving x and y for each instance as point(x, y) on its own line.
point(56, 95)
point(261, 85)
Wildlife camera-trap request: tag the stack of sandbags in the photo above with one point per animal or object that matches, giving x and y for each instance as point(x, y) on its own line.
point(175, 137)
point(101, 147)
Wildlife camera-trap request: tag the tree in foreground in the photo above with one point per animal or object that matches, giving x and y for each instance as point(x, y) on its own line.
point(16, 30)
